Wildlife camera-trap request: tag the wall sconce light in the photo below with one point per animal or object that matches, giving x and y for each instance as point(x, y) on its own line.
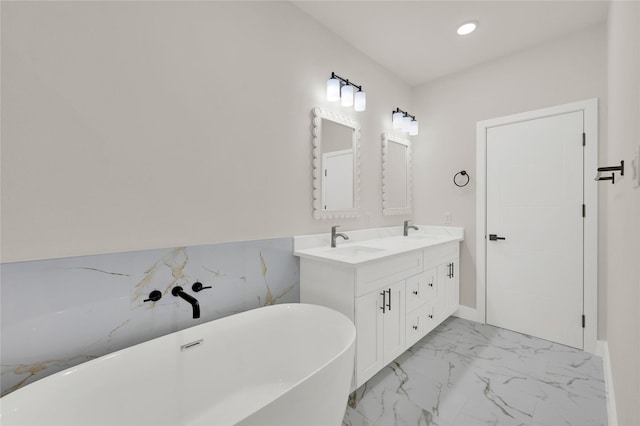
point(340, 89)
point(404, 121)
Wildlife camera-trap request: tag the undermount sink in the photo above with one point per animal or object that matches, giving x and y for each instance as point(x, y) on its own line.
point(354, 250)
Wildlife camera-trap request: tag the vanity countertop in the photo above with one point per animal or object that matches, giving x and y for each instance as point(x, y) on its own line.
point(367, 245)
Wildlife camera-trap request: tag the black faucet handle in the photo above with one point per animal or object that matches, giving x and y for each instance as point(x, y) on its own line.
point(154, 296)
point(197, 286)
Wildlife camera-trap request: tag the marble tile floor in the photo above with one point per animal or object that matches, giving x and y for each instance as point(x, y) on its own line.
point(465, 373)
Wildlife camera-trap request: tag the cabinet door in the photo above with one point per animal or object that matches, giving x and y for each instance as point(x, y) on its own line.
point(369, 338)
point(441, 291)
point(394, 322)
point(453, 288)
point(448, 292)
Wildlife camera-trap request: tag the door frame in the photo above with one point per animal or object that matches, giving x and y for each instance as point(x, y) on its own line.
point(590, 264)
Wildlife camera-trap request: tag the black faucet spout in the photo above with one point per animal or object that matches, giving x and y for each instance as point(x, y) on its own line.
point(179, 292)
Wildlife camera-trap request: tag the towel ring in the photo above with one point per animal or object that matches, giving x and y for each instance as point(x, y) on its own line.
point(463, 173)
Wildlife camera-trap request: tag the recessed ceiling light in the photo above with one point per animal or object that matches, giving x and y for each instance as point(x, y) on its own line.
point(467, 28)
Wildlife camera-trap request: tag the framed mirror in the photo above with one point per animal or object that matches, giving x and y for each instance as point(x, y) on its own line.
point(397, 185)
point(336, 165)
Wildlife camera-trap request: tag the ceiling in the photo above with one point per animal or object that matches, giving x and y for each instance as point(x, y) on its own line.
point(417, 40)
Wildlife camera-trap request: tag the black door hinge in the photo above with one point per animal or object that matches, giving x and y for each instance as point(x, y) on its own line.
point(584, 139)
point(583, 321)
point(584, 210)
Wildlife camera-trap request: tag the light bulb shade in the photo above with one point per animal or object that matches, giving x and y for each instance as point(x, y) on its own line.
point(406, 123)
point(346, 95)
point(333, 90)
point(467, 28)
point(360, 101)
point(413, 128)
point(396, 119)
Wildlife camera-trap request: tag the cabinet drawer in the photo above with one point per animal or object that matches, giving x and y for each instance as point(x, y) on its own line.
point(420, 322)
point(385, 272)
point(436, 255)
point(421, 288)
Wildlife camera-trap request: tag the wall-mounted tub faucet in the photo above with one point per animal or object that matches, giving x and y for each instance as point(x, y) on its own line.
point(154, 296)
point(198, 286)
point(335, 235)
point(407, 227)
point(179, 292)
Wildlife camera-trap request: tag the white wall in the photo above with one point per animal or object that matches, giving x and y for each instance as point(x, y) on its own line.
point(622, 203)
point(143, 125)
point(563, 71)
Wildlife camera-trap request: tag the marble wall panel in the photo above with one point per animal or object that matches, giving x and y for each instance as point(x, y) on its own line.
point(61, 312)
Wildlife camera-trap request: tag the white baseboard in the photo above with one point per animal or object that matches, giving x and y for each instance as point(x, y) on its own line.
point(468, 313)
point(603, 351)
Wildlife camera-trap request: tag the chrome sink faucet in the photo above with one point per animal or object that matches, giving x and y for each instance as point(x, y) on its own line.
point(407, 227)
point(335, 235)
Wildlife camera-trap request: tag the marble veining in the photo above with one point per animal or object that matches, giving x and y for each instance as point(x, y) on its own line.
point(465, 373)
point(58, 313)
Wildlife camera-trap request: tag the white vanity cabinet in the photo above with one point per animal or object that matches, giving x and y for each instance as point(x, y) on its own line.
point(393, 300)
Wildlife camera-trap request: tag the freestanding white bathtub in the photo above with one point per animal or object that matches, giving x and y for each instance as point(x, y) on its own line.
point(279, 365)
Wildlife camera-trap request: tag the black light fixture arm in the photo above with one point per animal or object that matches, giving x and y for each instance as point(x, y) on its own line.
point(346, 81)
point(406, 114)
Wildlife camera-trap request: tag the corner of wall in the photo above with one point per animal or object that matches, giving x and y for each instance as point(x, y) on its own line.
point(603, 352)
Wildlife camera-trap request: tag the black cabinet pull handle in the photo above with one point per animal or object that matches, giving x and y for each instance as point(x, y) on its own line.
point(415, 292)
point(389, 304)
point(430, 316)
point(384, 301)
point(430, 284)
point(453, 270)
point(494, 237)
point(154, 296)
point(415, 327)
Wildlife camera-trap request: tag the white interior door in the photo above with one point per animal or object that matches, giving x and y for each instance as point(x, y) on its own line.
point(534, 276)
